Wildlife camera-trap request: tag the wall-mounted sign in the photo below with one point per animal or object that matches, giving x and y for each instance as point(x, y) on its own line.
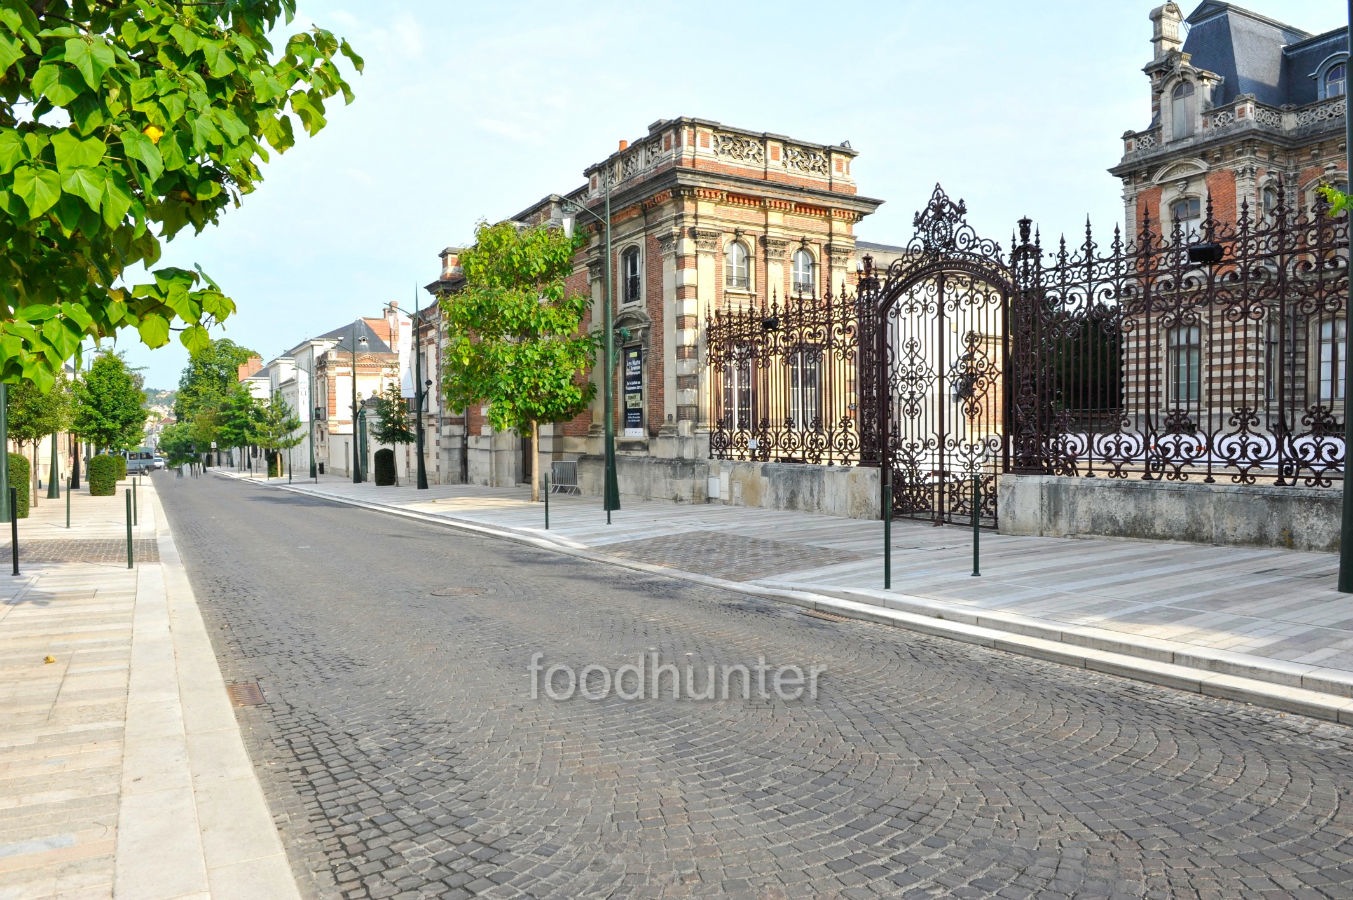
point(634, 392)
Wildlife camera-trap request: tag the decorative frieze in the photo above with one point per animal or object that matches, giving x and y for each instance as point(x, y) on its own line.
point(706, 239)
point(839, 254)
point(802, 159)
point(775, 247)
point(739, 148)
point(667, 242)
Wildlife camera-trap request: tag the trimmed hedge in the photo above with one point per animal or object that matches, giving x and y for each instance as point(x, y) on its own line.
point(19, 473)
point(121, 465)
point(103, 475)
point(385, 467)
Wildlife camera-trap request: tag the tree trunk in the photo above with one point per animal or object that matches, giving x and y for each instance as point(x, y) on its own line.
point(33, 478)
point(535, 462)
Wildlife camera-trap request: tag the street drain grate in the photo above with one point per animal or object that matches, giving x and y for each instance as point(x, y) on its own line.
point(826, 617)
point(245, 693)
point(457, 592)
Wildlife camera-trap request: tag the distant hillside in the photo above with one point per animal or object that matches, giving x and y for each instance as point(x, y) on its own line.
point(157, 397)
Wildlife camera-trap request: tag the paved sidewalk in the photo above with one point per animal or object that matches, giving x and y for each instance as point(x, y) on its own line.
point(1260, 625)
point(122, 770)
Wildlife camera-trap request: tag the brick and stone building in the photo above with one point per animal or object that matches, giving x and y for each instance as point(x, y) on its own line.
point(702, 215)
point(1248, 119)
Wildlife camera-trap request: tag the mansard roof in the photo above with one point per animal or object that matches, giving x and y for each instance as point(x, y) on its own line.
point(1257, 55)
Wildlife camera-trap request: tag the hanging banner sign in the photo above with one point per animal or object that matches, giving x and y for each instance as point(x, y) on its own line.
point(634, 392)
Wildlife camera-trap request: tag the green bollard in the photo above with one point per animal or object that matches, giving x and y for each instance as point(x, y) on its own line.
point(888, 536)
point(547, 503)
point(128, 495)
point(976, 520)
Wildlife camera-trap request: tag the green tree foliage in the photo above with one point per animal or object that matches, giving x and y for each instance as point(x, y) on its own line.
point(514, 333)
point(1337, 199)
point(110, 408)
point(239, 418)
point(176, 443)
point(392, 417)
point(211, 374)
point(103, 475)
point(35, 413)
point(121, 123)
point(279, 429)
point(18, 474)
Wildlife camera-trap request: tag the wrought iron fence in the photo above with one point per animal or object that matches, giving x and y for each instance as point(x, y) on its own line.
point(1208, 354)
point(783, 381)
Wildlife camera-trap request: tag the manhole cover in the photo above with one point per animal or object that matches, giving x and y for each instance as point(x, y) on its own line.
point(457, 592)
point(245, 694)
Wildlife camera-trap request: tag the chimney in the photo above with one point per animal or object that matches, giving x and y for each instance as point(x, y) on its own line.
point(1165, 23)
point(624, 145)
point(248, 367)
point(451, 263)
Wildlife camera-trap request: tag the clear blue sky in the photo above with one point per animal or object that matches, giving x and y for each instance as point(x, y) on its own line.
point(474, 111)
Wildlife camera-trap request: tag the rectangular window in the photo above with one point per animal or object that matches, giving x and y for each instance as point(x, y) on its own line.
point(1333, 347)
point(805, 388)
point(738, 395)
point(1184, 357)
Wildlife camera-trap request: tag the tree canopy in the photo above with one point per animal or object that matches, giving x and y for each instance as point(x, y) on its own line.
point(35, 413)
point(122, 123)
point(514, 332)
point(211, 374)
point(109, 405)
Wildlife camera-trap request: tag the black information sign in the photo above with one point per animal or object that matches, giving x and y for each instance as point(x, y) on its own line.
point(634, 391)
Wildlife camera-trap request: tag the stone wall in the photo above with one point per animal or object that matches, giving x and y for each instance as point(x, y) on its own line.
point(830, 490)
point(1295, 518)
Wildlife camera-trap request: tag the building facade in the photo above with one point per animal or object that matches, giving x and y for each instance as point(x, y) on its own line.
point(702, 216)
point(1221, 192)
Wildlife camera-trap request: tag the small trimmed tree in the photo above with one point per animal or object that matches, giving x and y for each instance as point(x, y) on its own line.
point(279, 429)
point(515, 336)
point(18, 474)
point(103, 475)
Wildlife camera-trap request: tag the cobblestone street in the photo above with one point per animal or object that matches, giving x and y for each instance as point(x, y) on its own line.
point(404, 753)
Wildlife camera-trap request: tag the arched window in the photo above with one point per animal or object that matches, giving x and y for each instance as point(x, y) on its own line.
point(803, 280)
point(1181, 105)
point(1268, 200)
point(737, 272)
point(1188, 212)
point(629, 275)
point(1336, 80)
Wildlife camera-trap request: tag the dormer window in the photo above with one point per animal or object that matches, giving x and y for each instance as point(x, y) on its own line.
point(1336, 80)
point(1181, 106)
point(737, 274)
point(629, 275)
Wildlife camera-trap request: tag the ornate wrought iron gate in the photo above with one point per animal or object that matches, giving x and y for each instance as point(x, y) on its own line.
point(937, 369)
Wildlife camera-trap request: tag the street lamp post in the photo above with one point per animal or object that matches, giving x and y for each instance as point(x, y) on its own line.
point(611, 486)
point(310, 413)
point(356, 461)
point(418, 392)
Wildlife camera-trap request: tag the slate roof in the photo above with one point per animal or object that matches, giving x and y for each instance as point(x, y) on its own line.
point(1257, 55)
point(344, 335)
